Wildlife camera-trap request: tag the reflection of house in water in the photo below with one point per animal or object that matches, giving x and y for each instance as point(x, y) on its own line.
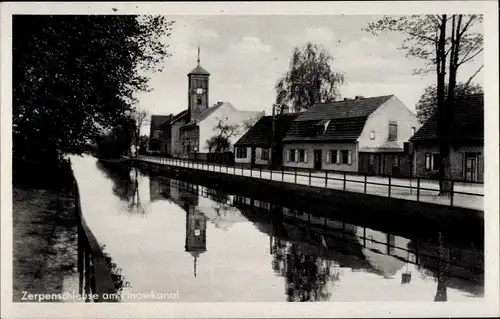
point(158, 189)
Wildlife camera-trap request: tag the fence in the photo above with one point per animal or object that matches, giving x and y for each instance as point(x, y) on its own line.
point(95, 276)
point(468, 195)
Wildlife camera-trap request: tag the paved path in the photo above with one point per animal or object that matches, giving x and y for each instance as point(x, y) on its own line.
point(375, 185)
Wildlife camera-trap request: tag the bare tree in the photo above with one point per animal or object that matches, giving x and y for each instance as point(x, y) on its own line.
point(446, 43)
point(141, 118)
point(221, 141)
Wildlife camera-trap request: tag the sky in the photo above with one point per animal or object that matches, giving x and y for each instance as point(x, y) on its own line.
point(247, 54)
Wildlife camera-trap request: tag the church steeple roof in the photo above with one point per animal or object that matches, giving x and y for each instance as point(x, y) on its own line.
point(199, 70)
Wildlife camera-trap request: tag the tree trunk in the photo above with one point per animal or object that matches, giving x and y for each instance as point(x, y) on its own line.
point(442, 274)
point(442, 121)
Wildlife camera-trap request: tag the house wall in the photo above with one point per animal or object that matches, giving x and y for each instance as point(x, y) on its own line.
point(457, 161)
point(230, 115)
point(378, 122)
point(324, 147)
point(176, 138)
point(383, 164)
point(190, 136)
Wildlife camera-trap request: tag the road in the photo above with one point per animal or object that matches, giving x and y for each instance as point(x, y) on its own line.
point(473, 196)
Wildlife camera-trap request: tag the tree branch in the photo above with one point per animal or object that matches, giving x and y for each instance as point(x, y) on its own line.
point(471, 57)
point(473, 75)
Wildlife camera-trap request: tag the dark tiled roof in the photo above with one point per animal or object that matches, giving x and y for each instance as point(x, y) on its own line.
point(261, 133)
point(343, 109)
point(467, 124)
point(345, 120)
point(179, 116)
point(158, 120)
point(340, 129)
point(199, 70)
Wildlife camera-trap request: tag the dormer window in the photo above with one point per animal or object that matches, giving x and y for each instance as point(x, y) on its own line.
point(322, 127)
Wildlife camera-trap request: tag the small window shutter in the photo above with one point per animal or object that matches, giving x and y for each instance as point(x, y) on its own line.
point(296, 156)
point(432, 162)
point(258, 152)
point(305, 156)
point(328, 156)
point(288, 155)
point(338, 157)
point(349, 157)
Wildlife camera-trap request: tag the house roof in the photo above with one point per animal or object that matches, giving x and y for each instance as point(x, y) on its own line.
point(261, 134)
point(199, 70)
point(179, 116)
point(467, 123)
point(203, 114)
point(340, 120)
point(362, 107)
point(159, 120)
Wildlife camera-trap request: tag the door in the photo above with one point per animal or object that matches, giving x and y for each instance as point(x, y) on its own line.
point(470, 167)
point(317, 159)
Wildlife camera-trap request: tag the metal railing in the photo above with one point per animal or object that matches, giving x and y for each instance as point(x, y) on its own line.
point(95, 281)
point(417, 189)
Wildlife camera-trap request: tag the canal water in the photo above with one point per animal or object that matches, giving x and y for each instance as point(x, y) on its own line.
point(170, 240)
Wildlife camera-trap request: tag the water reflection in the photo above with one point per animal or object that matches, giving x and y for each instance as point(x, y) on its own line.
point(316, 258)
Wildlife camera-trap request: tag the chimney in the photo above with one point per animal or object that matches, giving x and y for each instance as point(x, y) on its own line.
point(347, 99)
point(359, 97)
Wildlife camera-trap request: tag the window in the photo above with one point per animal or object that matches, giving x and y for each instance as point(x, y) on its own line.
point(372, 135)
point(241, 152)
point(264, 154)
point(393, 131)
point(346, 157)
point(302, 156)
point(413, 130)
point(427, 161)
point(156, 134)
point(395, 161)
point(435, 161)
point(198, 99)
point(292, 155)
point(332, 157)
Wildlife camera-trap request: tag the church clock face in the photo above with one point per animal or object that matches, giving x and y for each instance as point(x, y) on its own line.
point(199, 91)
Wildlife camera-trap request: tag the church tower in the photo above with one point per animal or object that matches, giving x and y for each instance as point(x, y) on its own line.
point(196, 233)
point(197, 89)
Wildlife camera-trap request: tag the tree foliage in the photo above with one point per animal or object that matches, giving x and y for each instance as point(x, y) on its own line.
point(310, 79)
point(426, 105)
point(118, 141)
point(75, 76)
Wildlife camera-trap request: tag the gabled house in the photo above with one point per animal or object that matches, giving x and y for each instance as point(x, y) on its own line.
point(258, 145)
point(365, 135)
point(195, 133)
point(467, 142)
point(157, 141)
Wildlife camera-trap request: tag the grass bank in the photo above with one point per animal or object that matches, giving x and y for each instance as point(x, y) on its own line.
point(44, 241)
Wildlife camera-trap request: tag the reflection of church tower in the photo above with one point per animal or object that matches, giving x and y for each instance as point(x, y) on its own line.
point(198, 89)
point(196, 233)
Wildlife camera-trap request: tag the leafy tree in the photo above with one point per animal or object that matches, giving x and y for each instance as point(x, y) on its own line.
point(426, 106)
point(446, 43)
point(118, 141)
point(310, 79)
point(221, 142)
point(75, 76)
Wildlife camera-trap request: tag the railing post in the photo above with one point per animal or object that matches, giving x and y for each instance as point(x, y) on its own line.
point(365, 183)
point(326, 179)
point(389, 186)
point(295, 168)
point(309, 177)
point(260, 170)
point(282, 174)
point(418, 189)
point(344, 179)
point(251, 170)
point(452, 191)
point(271, 174)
